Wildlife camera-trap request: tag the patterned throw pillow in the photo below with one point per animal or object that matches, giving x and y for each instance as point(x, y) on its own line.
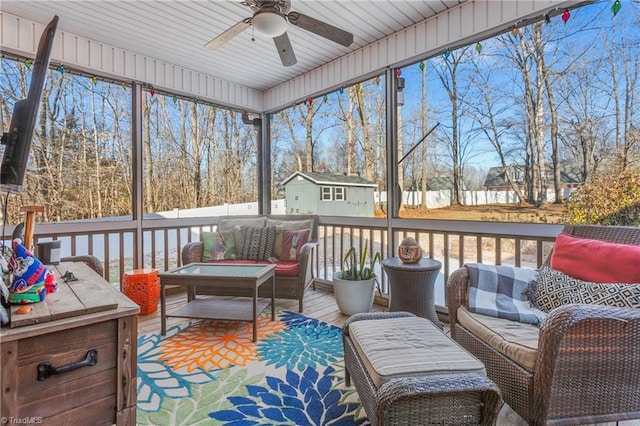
point(554, 288)
point(292, 242)
point(288, 225)
point(502, 292)
point(218, 246)
point(256, 243)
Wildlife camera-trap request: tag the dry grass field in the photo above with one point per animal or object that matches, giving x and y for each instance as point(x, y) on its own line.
point(549, 213)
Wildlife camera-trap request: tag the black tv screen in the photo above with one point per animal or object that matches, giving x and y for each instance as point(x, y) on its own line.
point(25, 116)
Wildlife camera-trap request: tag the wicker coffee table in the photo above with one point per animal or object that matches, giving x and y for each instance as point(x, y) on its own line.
point(211, 275)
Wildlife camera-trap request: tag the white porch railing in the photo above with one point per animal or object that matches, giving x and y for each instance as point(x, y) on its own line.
point(451, 242)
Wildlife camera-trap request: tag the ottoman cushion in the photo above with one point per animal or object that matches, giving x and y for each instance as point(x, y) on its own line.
point(408, 347)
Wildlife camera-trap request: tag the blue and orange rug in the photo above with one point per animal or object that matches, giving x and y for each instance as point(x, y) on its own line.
point(210, 372)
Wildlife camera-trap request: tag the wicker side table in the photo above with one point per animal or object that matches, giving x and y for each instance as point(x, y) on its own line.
point(411, 286)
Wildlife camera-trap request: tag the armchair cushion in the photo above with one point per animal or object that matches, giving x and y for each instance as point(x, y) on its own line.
point(554, 288)
point(502, 292)
point(595, 260)
point(515, 340)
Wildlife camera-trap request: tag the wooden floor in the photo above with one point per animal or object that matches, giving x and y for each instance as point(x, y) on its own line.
point(319, 304)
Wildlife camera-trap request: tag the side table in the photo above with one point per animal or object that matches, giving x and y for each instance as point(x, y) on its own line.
point(143, 287)
point(411, 286)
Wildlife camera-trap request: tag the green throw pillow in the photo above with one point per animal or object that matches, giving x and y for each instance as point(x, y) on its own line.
point(218, 246)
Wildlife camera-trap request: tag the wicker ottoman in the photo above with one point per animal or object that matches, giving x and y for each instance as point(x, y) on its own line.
point(407, 372)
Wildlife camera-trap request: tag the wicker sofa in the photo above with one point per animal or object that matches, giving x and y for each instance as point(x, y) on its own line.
point(583, 360)
point(292, 277)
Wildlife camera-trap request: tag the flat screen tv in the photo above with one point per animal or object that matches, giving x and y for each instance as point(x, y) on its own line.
point(18, 139)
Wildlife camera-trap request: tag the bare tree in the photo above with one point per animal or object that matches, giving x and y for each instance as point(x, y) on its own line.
point(424, 126)
point(448, 74)
point(493, 122)
point(367, 142)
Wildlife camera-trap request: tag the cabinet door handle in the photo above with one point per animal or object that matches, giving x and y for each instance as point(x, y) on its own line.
point(45, 369)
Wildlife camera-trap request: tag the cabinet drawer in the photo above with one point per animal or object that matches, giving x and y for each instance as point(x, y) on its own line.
point(74, 390)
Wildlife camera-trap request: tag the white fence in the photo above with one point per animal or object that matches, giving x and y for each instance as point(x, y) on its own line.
point(277, 207)
point(442, 198)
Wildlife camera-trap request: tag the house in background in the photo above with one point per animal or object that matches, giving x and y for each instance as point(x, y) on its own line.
point(441, 183)
point(570, 177)
point(329, 194)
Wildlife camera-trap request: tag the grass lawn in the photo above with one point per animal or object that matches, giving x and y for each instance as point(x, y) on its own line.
point(549, 213)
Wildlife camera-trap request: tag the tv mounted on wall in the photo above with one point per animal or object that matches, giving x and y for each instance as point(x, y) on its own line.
point(18, 139)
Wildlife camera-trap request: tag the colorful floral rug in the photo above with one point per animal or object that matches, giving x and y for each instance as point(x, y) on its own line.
point(210, 372)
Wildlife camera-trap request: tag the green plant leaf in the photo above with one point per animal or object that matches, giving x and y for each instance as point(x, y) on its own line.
point(355, 267)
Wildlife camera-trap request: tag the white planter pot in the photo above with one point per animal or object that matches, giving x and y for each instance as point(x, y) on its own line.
point(353, 297)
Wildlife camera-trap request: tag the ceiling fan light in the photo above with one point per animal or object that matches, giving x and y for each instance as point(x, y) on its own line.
point(269, 24)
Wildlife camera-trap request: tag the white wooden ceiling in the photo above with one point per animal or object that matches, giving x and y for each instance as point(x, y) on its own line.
point(176, 31)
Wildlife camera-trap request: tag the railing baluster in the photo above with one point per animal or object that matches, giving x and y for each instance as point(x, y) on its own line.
point(335, 236)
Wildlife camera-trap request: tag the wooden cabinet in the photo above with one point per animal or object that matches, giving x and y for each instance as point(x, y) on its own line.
point(72, 360)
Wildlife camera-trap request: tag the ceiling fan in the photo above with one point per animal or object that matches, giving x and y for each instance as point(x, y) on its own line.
point(270, 19)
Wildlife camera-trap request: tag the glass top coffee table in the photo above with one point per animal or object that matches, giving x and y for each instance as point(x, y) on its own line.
point(222, 275)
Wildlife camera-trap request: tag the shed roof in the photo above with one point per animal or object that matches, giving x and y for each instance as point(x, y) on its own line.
point(331, 179)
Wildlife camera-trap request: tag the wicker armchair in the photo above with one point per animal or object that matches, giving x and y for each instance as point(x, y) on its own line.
point(588, 358)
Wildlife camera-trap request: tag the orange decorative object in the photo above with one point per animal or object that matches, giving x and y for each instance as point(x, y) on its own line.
point(143, 287)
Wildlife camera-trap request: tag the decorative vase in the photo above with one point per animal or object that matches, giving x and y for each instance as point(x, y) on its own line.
point(353, 296)
point(409, 251)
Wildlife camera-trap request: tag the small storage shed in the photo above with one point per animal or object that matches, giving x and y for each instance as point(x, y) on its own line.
point(329, 194)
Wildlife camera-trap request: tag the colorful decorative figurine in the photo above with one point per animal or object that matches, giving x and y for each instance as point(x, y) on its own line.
point(409, 251)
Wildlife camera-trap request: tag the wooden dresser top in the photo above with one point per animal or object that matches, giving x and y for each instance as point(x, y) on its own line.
point(89, 298)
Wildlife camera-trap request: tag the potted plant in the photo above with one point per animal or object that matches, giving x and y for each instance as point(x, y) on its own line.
point(355, 285)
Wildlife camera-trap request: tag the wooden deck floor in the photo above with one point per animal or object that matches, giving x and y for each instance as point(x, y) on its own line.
point(319, 304)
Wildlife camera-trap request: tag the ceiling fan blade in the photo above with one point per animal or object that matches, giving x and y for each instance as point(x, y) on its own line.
point(321, 28)
point(229, 34)
point(285, 50)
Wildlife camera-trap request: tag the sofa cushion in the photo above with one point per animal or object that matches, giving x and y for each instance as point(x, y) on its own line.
point(233, 223)
point(554, 288)
point(218, 246)
point(515, 340)
point(502, 292)
point(595, 260)
point(256, 243)
point(292, 242)
point(408, 347)
point(283, 269)
point(288, 225)
point(241, 262)
point(287, 269)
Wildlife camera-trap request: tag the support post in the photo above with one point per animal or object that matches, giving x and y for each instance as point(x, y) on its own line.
point(29, 224)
